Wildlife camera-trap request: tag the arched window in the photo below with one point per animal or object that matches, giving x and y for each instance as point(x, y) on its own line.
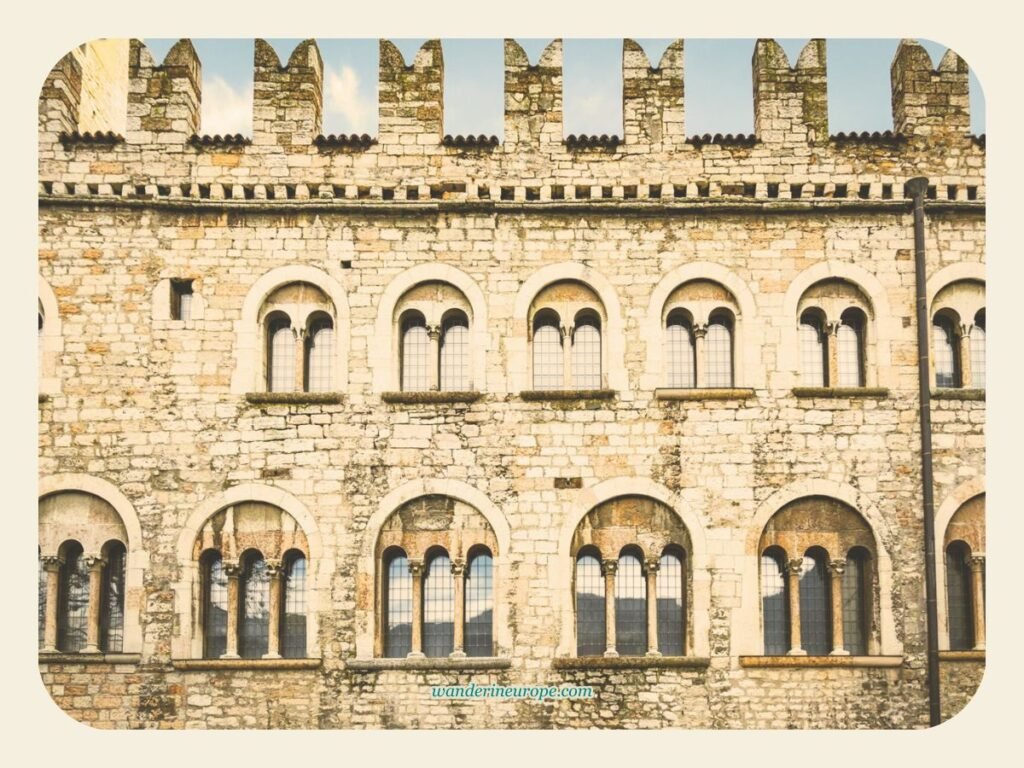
point(679, 351)
point(978, 351)
point(438, 607)
point(73, 620)
point(586, 352)
point(671, 604)
point(590, 601)
point(850, 353)
point(548, 367)
point(215, 605)
point(415, 353)
point(281, 354)
point(479, 615)
point(815, 623)
point(455, 352)
point(944, 340)
point(719, 350)
point(630, 606)
point(774, 601)
point(813, 354)
point(855, 591)
point(320, 353)
point(112, 597)
point(397, 605)
point(43, 586)
point(960, 608)
point(293, 614)
point(254, 591)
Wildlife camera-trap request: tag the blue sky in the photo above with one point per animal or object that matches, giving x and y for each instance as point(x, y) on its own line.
point(717, 80)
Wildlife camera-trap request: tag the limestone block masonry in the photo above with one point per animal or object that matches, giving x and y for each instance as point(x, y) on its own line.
point(166, 257)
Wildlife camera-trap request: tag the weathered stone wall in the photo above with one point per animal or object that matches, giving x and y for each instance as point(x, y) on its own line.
point(150, 406)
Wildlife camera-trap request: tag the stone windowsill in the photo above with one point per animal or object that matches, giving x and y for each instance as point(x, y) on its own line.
point(431, 397)
point(468, 663)
point(89, 658)
point(821, 661)
point(630, 662)
point(706, 393)
point(961, 655)
point(216, 665)
point(958, 394)
point(297, 398)
point(535, 395)
point(875, 392)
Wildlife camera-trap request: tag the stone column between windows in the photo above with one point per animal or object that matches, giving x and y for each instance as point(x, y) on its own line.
point(458, 574)
point(651, 574)
point(300, 360)
point(977, 564)
point(836, 569)
point(567, 356)
point(608, 568)
point(832, 342)
point(700, 333)
point(416, 569)
point(965, 355)
point(434, 362)
point(232, 571)
point(51, 564)
point(274, 574)
point(793, 570)
point(92, 630)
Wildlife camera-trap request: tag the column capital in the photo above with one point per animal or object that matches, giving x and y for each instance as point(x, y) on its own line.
point(609, 567)
point(652, 565)
point(94, 562)
point(274, 567)
point(795, 566)
point(458, 566)
point(232, 570)
point(51, 562)
point(976, 562)
point(415, 566)
point(700, 330)
point(567, 331)
point(434, 332)
point(837, 567)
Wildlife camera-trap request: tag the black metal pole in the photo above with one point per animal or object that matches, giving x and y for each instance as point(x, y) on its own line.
point(918, 187)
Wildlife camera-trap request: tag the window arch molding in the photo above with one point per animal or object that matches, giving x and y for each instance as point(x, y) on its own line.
point(747, 333)
point(386, 373)
point(248, 373)
point(137, 559)
point(368, 570)
point(51, 340)
point(951, 504)
point(878, 371)
point(518, 362)
point(188, 642)
point(746, 622)
point(561, 563)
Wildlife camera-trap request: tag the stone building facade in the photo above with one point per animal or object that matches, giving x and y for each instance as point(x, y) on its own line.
point(327, 421)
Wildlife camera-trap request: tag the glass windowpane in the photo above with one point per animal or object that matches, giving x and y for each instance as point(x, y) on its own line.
point(630, 607)
point(814, 613)
point(590, 621)
point(586, 356)
point(959, 602)
point(854, 606)
point(398, 609)
point(112, 622)
point(945, 356)
point(719, 354)
point(547, 358)
point(282, 360)
point(254, 622)
point(293, 634)
point(978, 357)
point(74, 616)
point(679, 355)
point(439, 608)
point(415, 358)
point(455, 357)
point(849, 356)
point(671, 606)
point(321, 359)
point(812, 352)
point(478, 635)
point(774, 606)
point(215, 612)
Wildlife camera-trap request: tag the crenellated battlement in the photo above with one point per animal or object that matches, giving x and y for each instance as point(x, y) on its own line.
point(791, 153)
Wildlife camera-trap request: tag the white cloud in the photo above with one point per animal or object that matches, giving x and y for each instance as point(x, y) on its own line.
point(348, 109)
point(226, 110)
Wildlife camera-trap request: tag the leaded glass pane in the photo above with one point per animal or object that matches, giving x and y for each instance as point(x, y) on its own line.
point(959, 603)
point(74, 615)
point(254, 623)
point(978, 356)
point(945, 355)
point(590, 639)
point(586, 356)
point(679, 355)
point(439, 608)
point(630, 607)
point(398, 609)
point(478, 634)
point(671, 606)
point(849, 356)
point(455, 356)
point(812, 353)
point(321, 359)
point(855, 605)
point(415, 357)
point(547, 358)
point(719, 354)
point(42, 603)
point(774, 606)
point(215, 610)
point(814, 617)
point(282, 360)
point(293, 634)
point(112, 621)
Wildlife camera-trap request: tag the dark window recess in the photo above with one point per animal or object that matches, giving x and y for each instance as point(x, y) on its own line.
point(951, 191)
point(387, 193)
point(582, 193)
point(750, 189)
point(116, 188)
point(703, 189)
point(629, 192)
point(654, 191)
point(887, 191)
point(679, 190)
point(840, 190)
point(204, 191)
point(363, 193)
point(606, 191)
point(140, 190)
point(412, 193)
point(933, 193)
point(558, 192)
point(773, 190)
point(532, 193)
point(796, 190)
point(819, 190)
point(290, 189)
point(972, 193)
point(483, 192)
point(339, 191)
point(94, 189)
point(181, 299)
point(436, 192)
point(48, 187)
point(346, 264)
point(508, 193)
point(271, 192)
point(865, 191)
